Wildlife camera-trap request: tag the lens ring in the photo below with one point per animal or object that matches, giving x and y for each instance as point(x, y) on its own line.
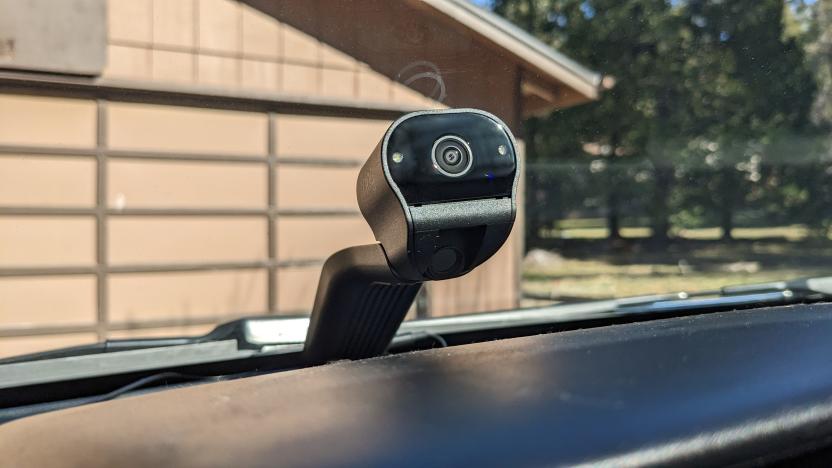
point(446, 145)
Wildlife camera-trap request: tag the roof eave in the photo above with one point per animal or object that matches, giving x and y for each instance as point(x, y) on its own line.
point(534, 55)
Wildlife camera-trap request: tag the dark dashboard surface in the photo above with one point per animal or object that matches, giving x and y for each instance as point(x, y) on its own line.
point(717, 388)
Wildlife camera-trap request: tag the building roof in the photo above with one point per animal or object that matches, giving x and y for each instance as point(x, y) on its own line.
point(540, 57)
point(472, 56)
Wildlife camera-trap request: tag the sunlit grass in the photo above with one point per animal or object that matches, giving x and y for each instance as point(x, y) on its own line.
point(712, 233)
point(595, 228)
point(599, 233)
point(588, 266)
point(607, 285)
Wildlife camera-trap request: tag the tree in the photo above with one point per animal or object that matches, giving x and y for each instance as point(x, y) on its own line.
point(701, 84)
point(818, 36)
point(766, 86)
point(631, 40)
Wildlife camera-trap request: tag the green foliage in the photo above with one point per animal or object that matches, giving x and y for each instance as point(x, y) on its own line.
point(723, 100)
point(818, 44)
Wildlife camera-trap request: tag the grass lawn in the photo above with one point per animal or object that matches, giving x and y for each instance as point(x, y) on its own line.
point(584, 264)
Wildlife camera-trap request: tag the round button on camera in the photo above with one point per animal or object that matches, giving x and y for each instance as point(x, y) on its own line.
point(444, 259)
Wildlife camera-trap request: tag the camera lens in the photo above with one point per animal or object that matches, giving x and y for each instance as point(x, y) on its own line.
point(451, 156)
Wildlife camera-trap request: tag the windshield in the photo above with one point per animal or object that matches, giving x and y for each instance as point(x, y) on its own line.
point(178, 164)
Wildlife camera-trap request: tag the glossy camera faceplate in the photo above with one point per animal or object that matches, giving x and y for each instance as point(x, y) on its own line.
point(412, 167)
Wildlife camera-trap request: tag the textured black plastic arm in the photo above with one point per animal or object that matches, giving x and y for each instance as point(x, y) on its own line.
point(358, 307)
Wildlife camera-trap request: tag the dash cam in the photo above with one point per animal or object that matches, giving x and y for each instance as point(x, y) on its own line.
point(438, 193)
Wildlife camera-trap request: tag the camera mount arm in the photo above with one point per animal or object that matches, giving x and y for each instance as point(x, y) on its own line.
point(359, 306)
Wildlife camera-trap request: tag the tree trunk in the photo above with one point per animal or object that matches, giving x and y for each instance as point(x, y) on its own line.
point(534, 216)
point(728, 195)
point(613, 217)
point(613, 208)
point(535, 219)
point(727, 221)
point(531, 15)
point(660, 222)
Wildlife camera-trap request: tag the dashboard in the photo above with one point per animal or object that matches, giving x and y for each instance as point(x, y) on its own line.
point(720, 388)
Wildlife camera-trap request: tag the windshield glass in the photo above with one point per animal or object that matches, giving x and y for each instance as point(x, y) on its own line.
point(177, 164)
point(706, 164)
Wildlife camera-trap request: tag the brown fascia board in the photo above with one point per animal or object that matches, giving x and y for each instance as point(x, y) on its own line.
point(542, 97)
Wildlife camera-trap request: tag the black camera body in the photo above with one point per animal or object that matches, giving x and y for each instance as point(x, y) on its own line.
point(438, 192)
